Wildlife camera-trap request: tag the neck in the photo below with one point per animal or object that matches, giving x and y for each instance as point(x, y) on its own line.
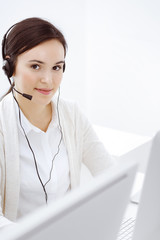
point(39, 115)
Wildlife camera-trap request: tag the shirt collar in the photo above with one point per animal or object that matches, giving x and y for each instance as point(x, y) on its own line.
point(28, 126)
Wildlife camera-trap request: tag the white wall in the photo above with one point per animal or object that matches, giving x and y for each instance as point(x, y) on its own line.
point(113, 60)
point(123, 63)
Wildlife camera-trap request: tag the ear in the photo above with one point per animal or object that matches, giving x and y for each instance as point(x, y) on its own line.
point(7, 57)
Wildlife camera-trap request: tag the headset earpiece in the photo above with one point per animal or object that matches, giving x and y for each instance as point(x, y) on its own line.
point(7, 67)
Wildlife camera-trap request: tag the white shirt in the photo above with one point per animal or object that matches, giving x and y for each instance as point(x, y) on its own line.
point(45, 146)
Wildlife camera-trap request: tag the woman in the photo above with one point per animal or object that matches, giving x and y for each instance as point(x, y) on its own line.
point(43, 140)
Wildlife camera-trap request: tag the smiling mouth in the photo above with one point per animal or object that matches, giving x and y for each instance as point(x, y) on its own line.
point(44, 91)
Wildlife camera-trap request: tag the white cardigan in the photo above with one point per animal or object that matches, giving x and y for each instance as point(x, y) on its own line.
point(81, 143)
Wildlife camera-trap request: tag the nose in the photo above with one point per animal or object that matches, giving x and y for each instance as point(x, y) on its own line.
point(46, 77)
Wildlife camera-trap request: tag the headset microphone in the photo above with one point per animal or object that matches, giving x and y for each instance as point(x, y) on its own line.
point(29, 97)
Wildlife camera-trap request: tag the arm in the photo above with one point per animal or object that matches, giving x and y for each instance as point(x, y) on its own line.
point(94, 155)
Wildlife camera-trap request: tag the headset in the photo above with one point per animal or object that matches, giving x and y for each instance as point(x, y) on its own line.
point(8, 69)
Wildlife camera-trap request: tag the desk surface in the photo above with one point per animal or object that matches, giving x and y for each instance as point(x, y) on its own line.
point(119, 142)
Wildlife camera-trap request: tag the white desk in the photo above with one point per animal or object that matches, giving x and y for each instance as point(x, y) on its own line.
point(118, 142)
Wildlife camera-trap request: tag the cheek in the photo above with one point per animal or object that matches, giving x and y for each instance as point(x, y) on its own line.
point(58, 79)
point(24, 79)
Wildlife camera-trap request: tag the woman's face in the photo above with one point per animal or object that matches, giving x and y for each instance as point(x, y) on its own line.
point(39, 71)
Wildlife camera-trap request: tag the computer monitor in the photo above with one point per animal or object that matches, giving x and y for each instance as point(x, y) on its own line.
point(147, 225)
point(92, 212)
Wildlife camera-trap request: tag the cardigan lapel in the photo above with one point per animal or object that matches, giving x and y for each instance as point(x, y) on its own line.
point(70, 143)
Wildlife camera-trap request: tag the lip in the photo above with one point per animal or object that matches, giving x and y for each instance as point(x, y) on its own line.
point(44, 91)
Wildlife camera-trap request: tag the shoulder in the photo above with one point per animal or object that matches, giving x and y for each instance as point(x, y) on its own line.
point(71, 111)
point(68, 107)
point(7, 113)
point(6, 102)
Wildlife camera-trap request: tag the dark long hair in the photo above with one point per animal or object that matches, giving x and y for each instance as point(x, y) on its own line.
point(25, 35)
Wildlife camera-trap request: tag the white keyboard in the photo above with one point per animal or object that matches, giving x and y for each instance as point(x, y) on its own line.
point(126, 229)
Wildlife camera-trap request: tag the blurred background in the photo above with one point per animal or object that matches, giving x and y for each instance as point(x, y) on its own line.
point(113, 59)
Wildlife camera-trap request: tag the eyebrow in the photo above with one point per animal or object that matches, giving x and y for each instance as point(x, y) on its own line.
point(38, 61)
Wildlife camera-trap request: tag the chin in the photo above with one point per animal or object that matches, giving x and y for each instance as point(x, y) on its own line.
point(44, 101)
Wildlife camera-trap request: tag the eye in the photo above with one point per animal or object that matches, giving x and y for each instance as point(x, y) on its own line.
point(35, 66)
point(57, 68)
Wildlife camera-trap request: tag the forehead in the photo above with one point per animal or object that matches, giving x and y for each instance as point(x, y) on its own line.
point(48, 50)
